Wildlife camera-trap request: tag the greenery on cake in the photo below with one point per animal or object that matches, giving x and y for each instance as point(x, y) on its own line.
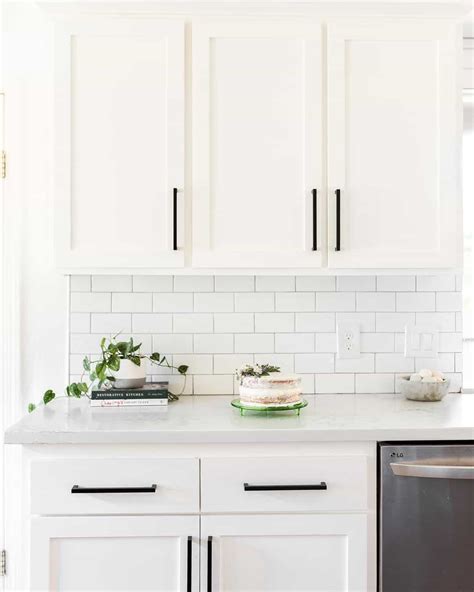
point(257, 370)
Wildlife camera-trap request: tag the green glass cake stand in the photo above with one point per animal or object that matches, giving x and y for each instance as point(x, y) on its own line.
point(294, 407)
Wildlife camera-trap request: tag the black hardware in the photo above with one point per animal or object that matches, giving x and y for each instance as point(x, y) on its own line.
point(175, 218)
point(338, 220)
point(77, 489)
point(318, 487)
point(315, 219)
point(190, 565)
point(209, 564)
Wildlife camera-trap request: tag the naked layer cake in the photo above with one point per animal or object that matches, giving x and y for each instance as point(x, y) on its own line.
point(270, 391)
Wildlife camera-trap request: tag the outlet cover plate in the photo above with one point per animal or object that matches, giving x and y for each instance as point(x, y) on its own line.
point(421, 341)
point(348, 340)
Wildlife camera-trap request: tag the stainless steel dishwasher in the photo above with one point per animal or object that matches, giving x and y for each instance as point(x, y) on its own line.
point(426, 517)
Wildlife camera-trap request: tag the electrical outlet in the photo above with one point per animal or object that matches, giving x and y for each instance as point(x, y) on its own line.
point(421, 341)
point(348, 340)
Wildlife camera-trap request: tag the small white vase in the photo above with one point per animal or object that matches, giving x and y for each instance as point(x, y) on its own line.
point(130, 375)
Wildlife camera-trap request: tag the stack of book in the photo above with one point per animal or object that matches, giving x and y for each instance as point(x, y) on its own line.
point(151, 394)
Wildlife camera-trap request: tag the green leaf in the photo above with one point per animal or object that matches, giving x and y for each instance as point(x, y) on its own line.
point(114, 363)
point(86, 364)
point(102, 342)
point(83, 387)
point(183, 369)
point(31, 407)
point(135, 359)
point(48, 396)
point(100, 370)
point(155, 357)
point(75, 390)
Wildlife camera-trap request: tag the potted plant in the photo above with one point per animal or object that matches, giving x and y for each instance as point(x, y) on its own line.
point(120, 364)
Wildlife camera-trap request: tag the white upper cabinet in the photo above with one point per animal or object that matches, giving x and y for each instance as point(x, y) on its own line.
point(119, 150)
point(257, 145)
point(393, 145)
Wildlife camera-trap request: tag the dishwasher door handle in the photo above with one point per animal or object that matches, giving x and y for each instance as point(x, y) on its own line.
point(432, 471)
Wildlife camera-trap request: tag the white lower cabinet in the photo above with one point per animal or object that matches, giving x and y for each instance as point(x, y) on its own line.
point(112, 553)
point(284, 553)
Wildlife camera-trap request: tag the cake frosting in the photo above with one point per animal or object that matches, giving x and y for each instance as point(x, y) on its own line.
point(270, 391)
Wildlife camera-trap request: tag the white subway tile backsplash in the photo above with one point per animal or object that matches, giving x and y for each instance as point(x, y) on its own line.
point(375, 301)
point(214, 302)
point(215, 325)
point(235, 322)
point(131, 302)
point(314, 363)
point(393, 321)
point(111, 283)
point(80, 283)
point(193, 323)
point(449, 301)
point(255, 302)
point(213, 384)
point(396, 283)
point(415, 301)
point(294, 302)
point(193, 283)
point(294, 342)
point(80, 322)
point(152, 283)
point(393, 363)
point(335, 301)
point(229, 363)
point(442, 321)
point(274, 322)
point(355, 283)
point(363, 364)
point(235, 283)
point(90, 302)
point(111, 323)
point(173, 302)
point(254, 342)
point(281, 283)
point(365, 320)
point(374, 383)
point(307, 283)
point(315, 321)
point(152, 323)
point(176, 383)
point(214, 344)
point(436, 283)
point(334, 383)
point(172, 344)
point(455, 382)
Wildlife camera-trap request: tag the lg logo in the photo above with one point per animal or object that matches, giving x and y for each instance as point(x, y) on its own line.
point(396, 455)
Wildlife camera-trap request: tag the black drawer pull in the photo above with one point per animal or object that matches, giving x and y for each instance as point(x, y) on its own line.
point(318, 487)
point(190, 565)
point(78, 489)
point(315, 219)
point(338, 220)
point(175, 218)
point(209, 564)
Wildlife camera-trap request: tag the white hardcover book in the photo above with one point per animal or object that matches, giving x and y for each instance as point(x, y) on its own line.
point(130, 403)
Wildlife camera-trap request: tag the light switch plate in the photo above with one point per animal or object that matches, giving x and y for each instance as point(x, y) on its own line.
point(348, 340)
point(421, 341)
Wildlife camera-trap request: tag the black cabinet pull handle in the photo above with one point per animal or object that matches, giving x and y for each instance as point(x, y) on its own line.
point(315, 219)
point(175, 218)
point(190, 565)
point(317, 487)
point(338, 220)
point(78, 489)
point(209, 564)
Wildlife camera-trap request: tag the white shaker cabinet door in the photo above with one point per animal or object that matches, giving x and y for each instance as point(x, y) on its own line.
point(257, 143)
point(119, 143)
point(393, 151)
point(111, 554)
point(284, 553)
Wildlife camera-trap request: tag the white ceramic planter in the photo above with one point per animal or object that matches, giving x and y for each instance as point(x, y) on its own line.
point(130, 375)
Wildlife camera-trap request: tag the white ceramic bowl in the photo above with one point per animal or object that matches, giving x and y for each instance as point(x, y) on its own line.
point(423, 391)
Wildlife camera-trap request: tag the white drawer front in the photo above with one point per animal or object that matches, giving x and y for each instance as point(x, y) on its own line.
point(340, 484)
point(176, 480)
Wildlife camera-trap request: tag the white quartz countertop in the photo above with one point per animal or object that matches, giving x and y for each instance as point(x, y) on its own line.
point(212, 419)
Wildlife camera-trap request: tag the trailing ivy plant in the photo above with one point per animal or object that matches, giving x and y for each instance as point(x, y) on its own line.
point(101, 371)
